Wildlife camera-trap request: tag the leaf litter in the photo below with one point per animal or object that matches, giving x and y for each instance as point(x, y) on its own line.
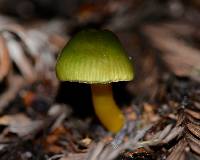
point(163, 111)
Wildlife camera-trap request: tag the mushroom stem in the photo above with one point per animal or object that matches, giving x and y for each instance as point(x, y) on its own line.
point(105, 107)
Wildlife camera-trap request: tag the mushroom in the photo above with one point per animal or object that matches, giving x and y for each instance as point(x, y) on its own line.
point(97, 57)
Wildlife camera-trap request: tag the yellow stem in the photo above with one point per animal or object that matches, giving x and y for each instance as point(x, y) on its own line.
point(105, 107)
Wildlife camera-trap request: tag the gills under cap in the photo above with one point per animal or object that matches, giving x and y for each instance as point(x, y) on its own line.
point(94, 56)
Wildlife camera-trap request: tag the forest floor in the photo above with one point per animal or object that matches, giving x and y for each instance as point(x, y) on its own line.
point(44, 119)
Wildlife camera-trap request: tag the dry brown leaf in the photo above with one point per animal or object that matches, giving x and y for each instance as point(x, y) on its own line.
point(194, 129)
point(76, 156)
point(149, 114)
point(197, 105)
point(139, 153)
point(178, 151)
point(192, 120)
point(85, 142)
point(20, 124)
point(176, 131)
point(4, 59)
point(18, 56)
point(14, 119)
point(180, 57)
point(181, 28)
point(194, 114)
point(194, 143)
point(11, 92)
point(96, 151)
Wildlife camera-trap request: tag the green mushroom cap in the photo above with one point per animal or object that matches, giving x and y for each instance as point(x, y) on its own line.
point(94, 56)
